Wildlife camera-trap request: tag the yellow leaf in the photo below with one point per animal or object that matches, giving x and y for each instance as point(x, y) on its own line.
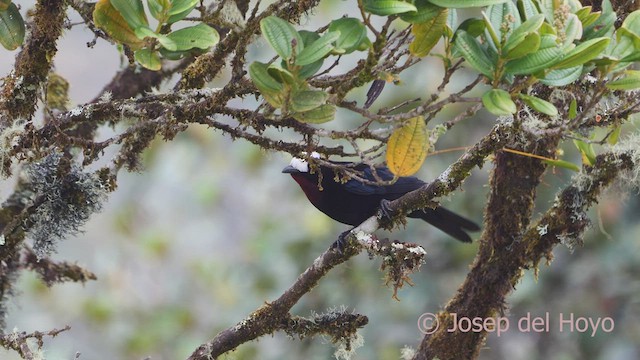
point(407, 147)
point(107, 18)
point(428, 34)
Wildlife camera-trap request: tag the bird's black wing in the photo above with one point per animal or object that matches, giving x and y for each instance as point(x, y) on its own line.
point(401, 186)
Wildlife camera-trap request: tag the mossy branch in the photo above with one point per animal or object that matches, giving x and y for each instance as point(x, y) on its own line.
point(20, 93)
point(20, 342)
point(271, 316)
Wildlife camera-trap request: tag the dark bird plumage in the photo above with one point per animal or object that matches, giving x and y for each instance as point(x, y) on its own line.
point(353, 202)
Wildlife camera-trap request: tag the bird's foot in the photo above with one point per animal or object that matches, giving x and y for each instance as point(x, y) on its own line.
point(340, 244)
point(385, 214)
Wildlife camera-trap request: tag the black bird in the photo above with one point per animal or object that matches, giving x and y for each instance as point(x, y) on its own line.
point(353, 202)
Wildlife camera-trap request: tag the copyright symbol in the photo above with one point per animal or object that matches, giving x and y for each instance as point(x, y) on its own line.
point(428, 323)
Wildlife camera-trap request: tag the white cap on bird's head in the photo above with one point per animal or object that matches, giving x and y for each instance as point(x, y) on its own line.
point(299, 164)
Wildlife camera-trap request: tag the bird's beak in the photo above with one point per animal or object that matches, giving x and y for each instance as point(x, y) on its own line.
point(290, 170)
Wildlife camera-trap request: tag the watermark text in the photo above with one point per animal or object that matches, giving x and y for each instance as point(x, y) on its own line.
point(428, 323)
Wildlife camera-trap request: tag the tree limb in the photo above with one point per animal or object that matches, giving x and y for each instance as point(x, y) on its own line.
point(34, 62)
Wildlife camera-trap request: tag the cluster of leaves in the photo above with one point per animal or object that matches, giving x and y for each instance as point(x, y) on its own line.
point(126, 22)
point(11, 25)
point(284, 86)
point(430, 19)
point(514, 44)
point(551, 42)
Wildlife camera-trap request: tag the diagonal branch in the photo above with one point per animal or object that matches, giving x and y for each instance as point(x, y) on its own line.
point(269, 317)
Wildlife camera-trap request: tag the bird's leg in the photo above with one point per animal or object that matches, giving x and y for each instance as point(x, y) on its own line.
point(340, 244)
point(385, 214)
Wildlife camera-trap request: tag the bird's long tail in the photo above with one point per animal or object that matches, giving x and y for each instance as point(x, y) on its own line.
point(447, 221)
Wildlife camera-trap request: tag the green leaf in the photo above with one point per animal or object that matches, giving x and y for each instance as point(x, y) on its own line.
point(604, 26)
point(547, 8)
point(491, 35)
point(352, 33)
point(539, 105)
point(521, 32)
point(159, 9)
point(574, 5)
point(473, 26)
point(11, 27)
point(310, 70)
point(426, 11)
point(179, 16)
point(547, 55)
point(387, 7)
point(262, 79)
point(547, 29)
point(622, 34)
point(498, 102)
point(319, 115)
point(283, 75)
point(459, 4)
point(500, 14)
point(108, 18)
point(306, 100)
point(572, 30)
point(132, 11)
point(143, 32)
point(271, 90)
point(586, 16)
point(173, 55)
point(615, 135)
point(473, 53)
point(180, 6)
point(583, 53)
point(201, 36)
point(630, 81)
point(281, 36)
point(573, 109)
point(452, 21)
point(586, 150)
point(427, 35)
point(634, 56)
point(528, 45)
point(632, 23)
point(148, 59)
point(308, 37)
point(318, 49)
point(622, 50)
point(562, 77)
point(527, 9)
point(306, 71)
point(606, 60)
point(563, 164)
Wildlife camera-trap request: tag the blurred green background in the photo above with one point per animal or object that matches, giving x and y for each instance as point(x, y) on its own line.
point(211, 229)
